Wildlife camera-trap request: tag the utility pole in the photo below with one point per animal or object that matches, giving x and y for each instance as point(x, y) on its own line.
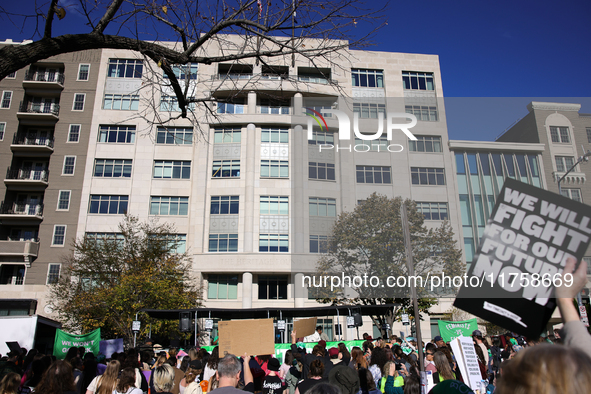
point(413, 289)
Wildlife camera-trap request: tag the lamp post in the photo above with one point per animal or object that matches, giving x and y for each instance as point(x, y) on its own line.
point(585, 158)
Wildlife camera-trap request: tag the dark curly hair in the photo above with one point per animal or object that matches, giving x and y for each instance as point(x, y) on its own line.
point(57, 379)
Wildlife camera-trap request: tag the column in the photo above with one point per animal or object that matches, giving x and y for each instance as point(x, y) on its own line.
point(246, 290)
point(300, 293)
point(252, 102)
point(248, 169)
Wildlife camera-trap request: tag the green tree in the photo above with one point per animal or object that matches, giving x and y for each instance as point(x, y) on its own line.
point(107, 281)
point(369, 240)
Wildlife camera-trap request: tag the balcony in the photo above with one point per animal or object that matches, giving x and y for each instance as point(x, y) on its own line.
point(230, 108)
point(26, 177)
point(43, 111)
point(44, 80)
point(34, 144)
point(17, 211)
point(25, 250)
point(274, 109)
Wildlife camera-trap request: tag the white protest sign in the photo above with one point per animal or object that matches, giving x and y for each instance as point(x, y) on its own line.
point(463, 349)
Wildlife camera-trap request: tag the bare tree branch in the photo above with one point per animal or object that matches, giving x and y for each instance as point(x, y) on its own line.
point(49, 19)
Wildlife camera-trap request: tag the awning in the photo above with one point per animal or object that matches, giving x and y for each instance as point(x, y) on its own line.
point(264, 313)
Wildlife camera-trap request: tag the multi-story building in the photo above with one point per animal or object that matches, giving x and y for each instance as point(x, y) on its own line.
point(566, 133)
point(45, 119)
point(253, 198)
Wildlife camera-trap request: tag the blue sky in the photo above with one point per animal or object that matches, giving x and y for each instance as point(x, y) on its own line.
point(522, 50)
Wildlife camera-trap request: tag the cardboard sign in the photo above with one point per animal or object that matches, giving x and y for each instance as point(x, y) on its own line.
point(450, 330)
point(350, 322)
point(529, 236)
point(255, 337)
point(465, 354)
point(305, 327)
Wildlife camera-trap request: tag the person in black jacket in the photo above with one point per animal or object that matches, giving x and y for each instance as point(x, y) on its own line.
point(318, 353)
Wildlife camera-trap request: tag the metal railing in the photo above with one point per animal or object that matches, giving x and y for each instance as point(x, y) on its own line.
point(23, 139)
point(27, 174)
point(20, 208)
point(39, 108)
point(36, 76)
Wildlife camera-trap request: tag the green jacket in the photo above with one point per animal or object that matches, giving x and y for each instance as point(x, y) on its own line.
point(392, 385)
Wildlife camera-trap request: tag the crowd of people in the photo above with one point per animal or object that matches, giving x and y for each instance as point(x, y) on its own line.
point(558, 363)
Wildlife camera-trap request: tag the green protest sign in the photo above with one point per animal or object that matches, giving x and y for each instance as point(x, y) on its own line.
point(64, 341)
point(450, 330)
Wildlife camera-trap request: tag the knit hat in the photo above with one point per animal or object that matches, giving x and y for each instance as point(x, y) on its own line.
point(344, 378)
point(322, 343)
point(273, 365)
point(451, 386)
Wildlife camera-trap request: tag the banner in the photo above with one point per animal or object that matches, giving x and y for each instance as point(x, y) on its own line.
point(450, 330)
point(530, 234)
point(281, 348)
point(64, 341)
point(110, 346)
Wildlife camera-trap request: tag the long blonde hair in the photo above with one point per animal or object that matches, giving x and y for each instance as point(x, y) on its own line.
point(108, 382)
point(545, 369)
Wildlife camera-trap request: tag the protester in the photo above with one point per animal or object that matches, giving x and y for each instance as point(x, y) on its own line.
point(438, 341)
point(494, 362)
point(444, 371)
point(185, 363)
point(477, 337)
point(345, 356)
point(228, 375)
point(324, 388)
point(190, 383)
point(392, 382)
point(318, 336)
point(287, 364)
point(178, 374)
point(318, 354)
point(272, 383)
point(58, 379)
point(126, 384)
point(378, 360)
point(346, 379)
point(89, 373)
point(105, 383)
point(429, 353)
point(163, 378)
point(357, 359)
point(10, 365)
point(450, 386)
point(294, 376)
point(315, 376)
point(212, 364)
point(10, 383)
point(546, 369)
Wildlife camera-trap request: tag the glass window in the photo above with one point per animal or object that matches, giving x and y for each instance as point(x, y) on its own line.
point(321, 138)
point(472, 164)
point(589, 134)
point(274, 205)
point(321, 171)
point(117, 134)
point(273, 243)
point(226, 169)
point(564, 163)
point(485, 164)
point(274, 169)
point(323, 207)
point(224, 205)
point(108, 205)
point(121, 102)
point(59, 235)
point(83, 72)
point(369, 110)
point(222, 287)
point(171, 206)
point(223, 242)
point(573, 194)
point(272, 287)
point(171, 103)
point(417, 80)
point(433, 210)
point(425, 143)
point(63, 203)
point(228, 135)
point(2, 130)
point(276, 135)
point(6, 99)
point(53, 274)
point(560, 134)
point(112, 168)
point(69, 165)
point(74, 133)
point(170, 169)
point(423, 112)
point(174, 135)
point(318, 244)
point(79, 102)
point(427, 176)
point(184, 71)
point(374, 174)
point(510, 165)
point(367, 78)
point(125, 68)
point(378, 145)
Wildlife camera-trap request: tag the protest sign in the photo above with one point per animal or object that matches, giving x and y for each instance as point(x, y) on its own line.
point(247, 336)
point(64, 341)
point(465, 354)
point(450, 330)
point(305, 327)
point(530, 234)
